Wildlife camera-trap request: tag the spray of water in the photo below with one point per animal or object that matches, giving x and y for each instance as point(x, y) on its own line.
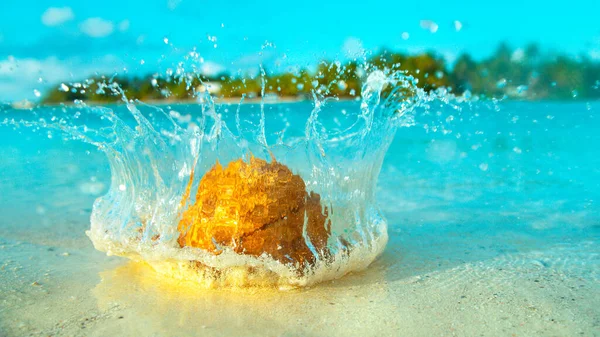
point(157, 155)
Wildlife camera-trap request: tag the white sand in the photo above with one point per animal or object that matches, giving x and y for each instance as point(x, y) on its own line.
point(423, 285)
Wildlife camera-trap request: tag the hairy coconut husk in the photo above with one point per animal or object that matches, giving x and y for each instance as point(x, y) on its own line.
point(256, 208)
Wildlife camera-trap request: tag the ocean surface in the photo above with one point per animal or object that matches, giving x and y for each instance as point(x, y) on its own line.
point(494, 225)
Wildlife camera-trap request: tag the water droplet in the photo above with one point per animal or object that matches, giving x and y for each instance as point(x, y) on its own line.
point(521, 89)
point(483, 166)
point(405, 36)
point(36, 93)
point(166, 40)
point(431, 26)
point(458, 25)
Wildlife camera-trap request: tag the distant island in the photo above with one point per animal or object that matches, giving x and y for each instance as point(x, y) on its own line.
point(526, 74)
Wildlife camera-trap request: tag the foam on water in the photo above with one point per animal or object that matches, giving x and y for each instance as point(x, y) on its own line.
point(155, 155)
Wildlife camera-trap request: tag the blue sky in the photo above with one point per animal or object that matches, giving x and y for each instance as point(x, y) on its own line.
point(45, 42)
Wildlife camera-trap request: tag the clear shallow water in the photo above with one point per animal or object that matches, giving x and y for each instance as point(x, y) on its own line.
point(498, 206)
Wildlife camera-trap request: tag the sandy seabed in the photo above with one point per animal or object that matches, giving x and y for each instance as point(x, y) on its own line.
point(55, 287)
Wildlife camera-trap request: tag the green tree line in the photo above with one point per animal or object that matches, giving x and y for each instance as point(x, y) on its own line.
point(522, 74)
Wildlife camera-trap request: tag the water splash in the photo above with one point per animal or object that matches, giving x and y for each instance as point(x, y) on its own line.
point(157, 154)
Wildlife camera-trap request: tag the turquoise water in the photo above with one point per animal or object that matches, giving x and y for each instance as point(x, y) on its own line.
point(532, 167)
point(497, 186)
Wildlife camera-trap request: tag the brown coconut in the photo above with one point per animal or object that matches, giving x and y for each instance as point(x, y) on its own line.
point(256, 208)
